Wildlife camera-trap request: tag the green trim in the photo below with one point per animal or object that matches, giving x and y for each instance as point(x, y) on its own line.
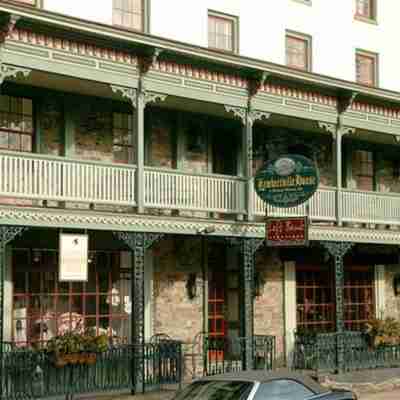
point(244, 66)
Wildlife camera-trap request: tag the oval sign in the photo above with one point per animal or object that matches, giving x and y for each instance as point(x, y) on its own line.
point(287, 181)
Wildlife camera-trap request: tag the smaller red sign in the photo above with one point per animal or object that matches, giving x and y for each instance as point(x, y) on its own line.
point(291, 231)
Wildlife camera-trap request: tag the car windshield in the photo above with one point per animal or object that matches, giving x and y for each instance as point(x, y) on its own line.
point(216, 390)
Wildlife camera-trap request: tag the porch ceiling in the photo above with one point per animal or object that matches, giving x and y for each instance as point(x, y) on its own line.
point(66, 84)
point(45, 238)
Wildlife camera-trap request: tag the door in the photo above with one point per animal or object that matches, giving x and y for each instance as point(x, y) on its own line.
point(216, 302)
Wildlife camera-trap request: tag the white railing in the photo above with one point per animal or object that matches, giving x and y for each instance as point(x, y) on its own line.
point(199, 192)
point(322, 207)
point(370, 207)
point(54, 178)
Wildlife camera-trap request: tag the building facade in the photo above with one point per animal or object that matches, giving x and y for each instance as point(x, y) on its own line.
point(150, 145)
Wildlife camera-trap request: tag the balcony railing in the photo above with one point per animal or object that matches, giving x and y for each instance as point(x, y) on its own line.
point(40, 177)
point(33, 176)
point(322, 207)
point(184, 191)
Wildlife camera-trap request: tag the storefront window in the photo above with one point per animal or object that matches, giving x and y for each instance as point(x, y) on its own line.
point(45, 307)
point(16, 123)
point(315, 299)
point(359, 304)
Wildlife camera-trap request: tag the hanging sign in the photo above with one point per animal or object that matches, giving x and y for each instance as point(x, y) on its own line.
point(291, 231)
point(287, 181)
point(73, 258)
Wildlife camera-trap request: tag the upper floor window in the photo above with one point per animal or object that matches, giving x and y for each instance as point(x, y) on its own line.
point(222, 32)
point(366, 9)
point(298, 51)
point(367, 68)
point(29, 2)
point(16, 124)
point(129, 14)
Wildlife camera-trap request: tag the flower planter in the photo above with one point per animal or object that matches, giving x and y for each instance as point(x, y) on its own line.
point(61, 361)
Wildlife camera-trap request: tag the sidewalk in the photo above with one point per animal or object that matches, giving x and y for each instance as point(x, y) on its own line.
point(391, 395)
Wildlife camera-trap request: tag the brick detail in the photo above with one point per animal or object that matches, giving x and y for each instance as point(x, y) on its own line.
point(295, 93)
point(72, 46)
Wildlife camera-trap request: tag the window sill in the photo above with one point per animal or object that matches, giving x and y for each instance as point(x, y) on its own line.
point(223, 51)
point(305, 2)
point(366, 20)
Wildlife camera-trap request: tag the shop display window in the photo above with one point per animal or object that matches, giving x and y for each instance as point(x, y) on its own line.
point(43, 307)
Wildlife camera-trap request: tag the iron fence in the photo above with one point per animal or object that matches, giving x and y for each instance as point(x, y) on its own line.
point(222, 354)
point(319, 352)
point(30, 374)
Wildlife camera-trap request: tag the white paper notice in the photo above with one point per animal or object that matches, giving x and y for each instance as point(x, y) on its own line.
point(73, 258)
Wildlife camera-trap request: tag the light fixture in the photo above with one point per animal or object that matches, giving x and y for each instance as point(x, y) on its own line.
point(396, 284)
point(36, 256)
point(191, 286)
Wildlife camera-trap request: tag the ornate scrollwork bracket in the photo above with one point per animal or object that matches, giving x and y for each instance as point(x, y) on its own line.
point(126, 92)
point(9, 233)
point(138, 239)
point(247, 116)
point(9, 71)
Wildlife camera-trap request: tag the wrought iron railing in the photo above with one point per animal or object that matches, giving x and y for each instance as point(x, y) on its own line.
point(320, 352)
point(222, 354)
point(30, 374)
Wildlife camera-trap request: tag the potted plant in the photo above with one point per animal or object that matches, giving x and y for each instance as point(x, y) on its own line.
point(383, 332)
point(76, 348)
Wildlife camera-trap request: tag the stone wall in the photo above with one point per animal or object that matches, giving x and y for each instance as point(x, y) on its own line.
point(173, 312)
point(269, 306)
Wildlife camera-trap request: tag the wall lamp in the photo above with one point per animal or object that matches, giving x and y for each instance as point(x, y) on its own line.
point(396, 284)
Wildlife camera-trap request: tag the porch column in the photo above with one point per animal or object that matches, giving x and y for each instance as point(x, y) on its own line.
point(7, 234)
point(139, 98)
point(337, 131)
point(138, 243)
point(247, 116)
point(247, 249)
point(337, 251)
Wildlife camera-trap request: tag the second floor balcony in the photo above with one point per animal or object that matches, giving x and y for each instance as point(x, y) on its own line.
point(33, 179)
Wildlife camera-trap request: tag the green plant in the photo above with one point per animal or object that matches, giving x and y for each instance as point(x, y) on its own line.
point(73, 343)
point(383, 331)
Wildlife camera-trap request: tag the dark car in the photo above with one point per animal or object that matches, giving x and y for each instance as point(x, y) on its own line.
point(260, 385)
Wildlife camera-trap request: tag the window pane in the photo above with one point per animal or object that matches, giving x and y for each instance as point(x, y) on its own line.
point(365, 69)
point(220, 33)
point(297, 52)
point(128, 13)
point(282, 389)
point(365, 8)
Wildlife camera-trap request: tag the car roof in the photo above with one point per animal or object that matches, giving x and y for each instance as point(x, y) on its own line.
point(265, 376)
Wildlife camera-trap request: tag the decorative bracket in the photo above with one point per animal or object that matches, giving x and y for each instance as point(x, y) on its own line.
point(9, 233)
point(247, 116)
point(147, 61)
point(8, 71)
point(7, 25)
point(345, 101)
point(152, 97)
point(397, 138)
point(237, 112)
point(254, 116)
point(337, 249)
point(134, 239)
point(128, 93)
point(330, 128)
point(255, 84)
